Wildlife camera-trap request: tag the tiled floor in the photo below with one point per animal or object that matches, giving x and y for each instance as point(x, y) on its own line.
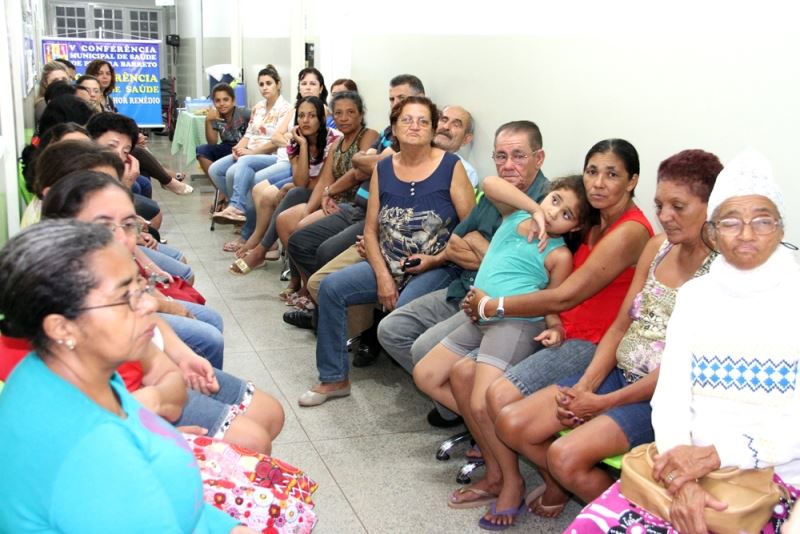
point(373, 452)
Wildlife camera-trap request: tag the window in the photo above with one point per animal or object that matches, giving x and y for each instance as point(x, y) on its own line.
point(70, 21)
point(108, 23)
point(102, 21)
point(144, 24)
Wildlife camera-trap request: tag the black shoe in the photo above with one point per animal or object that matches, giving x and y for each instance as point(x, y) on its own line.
point(298, 318)
point(436, 419)
point(365, 355)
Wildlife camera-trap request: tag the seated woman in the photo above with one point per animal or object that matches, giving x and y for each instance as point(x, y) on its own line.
point(416, 198)
point(104, 72)
point(235, 174)
point(76, 435)
point(36, 185)
point(273, 182)
point(94, 197)
point(308, 154)
point(51, 72)
point(91, 87)
point(226, 124)
point(587, 302)
point(341, 216)
point(705, 416)
point(608, 404)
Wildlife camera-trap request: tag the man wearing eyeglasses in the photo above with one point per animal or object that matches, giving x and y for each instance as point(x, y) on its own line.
point(410, 332)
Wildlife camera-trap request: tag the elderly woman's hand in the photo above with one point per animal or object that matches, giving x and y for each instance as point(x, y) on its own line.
point(387, 292)
point(471, 302)
point(683, 464)
point(688, 507)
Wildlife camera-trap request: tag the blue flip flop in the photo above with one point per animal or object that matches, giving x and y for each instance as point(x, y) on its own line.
point(486, 524)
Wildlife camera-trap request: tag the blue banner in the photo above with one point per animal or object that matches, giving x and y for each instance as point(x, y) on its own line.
point(137, 65)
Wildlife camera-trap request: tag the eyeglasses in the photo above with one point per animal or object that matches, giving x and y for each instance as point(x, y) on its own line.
point(518, 158)
point(129, 228)
point(133, 299)
point(408, 120)
point(760, 225)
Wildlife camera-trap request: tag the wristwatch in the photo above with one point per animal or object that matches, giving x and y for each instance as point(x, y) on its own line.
point(500, 312)
point(326, 191)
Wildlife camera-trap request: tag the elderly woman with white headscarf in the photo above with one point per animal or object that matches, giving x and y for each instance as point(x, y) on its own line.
point(727, 395)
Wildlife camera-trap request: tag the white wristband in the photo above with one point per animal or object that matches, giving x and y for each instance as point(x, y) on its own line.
point(482, 307)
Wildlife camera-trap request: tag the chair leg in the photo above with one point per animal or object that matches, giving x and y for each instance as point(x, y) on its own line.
point(214, 206)
point(447, 445)
point(465, 473)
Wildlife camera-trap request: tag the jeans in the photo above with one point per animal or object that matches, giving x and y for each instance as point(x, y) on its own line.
point(278, 175)
point(203, 334)
point(356, 284)
point(314, 245)
point(166, 262)
point(295, 196)
point(551, 365)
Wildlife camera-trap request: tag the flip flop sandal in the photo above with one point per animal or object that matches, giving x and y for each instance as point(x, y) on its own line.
point(534, 502)
point(286, 294)
point(228, 216)
point(304, 303)
point(232, 246)
point(240, 267)
point(487, 524)
point(180, 176)
point(484, 498)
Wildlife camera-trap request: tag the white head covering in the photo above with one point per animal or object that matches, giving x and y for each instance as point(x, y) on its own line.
point(749, 173)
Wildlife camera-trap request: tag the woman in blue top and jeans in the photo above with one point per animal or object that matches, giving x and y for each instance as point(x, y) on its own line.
point(416, 198)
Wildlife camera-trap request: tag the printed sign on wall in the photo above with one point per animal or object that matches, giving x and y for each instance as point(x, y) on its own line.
point(136, 64)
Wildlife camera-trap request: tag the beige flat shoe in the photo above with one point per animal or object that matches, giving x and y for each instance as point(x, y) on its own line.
point(314, 398)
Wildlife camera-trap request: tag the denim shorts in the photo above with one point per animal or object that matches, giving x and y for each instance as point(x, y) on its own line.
point(548, 366)
point(213, 152)
point(633, 419)
point(500, 344)
point(216, 412)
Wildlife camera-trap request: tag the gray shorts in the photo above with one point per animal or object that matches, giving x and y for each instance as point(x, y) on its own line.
point(500, 344)
point(216, 412)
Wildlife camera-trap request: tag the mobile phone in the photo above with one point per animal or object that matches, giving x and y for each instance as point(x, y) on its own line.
point(411, 262)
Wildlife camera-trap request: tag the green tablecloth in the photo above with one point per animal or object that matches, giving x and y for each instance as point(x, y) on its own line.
point(190, 131)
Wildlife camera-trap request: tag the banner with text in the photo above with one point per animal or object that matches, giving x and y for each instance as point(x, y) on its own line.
point(137, 65)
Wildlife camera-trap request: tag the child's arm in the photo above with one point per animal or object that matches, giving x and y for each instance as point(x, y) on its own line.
point(559, 264)
point(508, 199)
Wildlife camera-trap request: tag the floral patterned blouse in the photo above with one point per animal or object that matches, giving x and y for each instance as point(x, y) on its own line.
point(639, 351)
point(263, 123)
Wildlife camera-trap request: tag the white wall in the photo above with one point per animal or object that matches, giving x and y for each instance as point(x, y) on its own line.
point(711, 75)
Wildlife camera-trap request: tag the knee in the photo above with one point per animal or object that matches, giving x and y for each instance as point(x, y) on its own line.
point(564, 462)
point(423, 376)
point(386, 336)
point(254, 438)
point(273, 415)
point(510, 426)
point(313, 286)
point(500, 394)
point(463, 372)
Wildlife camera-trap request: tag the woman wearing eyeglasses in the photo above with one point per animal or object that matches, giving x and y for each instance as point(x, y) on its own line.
point(416, 198)
point(727, 393)
point(87, 456)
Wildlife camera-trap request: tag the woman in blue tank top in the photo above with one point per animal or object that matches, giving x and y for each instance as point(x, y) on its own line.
point(416, 198)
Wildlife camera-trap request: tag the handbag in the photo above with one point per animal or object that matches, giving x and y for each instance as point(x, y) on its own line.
point(751, 494)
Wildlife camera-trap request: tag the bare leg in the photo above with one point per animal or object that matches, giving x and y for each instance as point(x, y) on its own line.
point(573, 459)
point(432, 375)
point(462, 380)
point(528, 426)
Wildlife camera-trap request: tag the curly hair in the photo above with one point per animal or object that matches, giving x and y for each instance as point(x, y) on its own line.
point(694, 168)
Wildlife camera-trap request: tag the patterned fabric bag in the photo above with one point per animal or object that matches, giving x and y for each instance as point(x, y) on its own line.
point(263, 493)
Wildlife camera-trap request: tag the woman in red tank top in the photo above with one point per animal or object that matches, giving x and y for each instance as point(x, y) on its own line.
point(588, 302)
